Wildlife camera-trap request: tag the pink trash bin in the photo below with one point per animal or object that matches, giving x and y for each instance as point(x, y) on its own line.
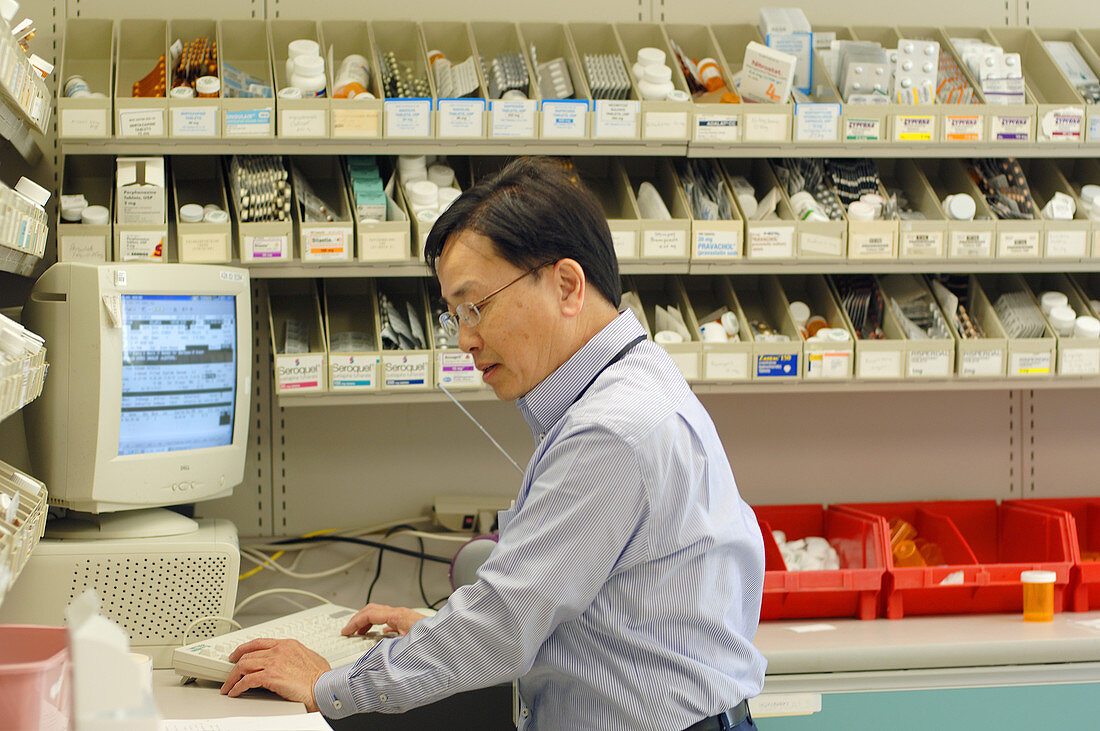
point(35, 680)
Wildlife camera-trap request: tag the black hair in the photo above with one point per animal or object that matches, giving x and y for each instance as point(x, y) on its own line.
point(536, 210)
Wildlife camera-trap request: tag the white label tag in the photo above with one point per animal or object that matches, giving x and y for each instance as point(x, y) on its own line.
point(871, 246)
point(461, 118)
point(816, 122)
point(1030, 364)
point(725, 366)
point(785, 704)
point(142, 245)
point(862, 129)
point(356, 123)
point(921, 244)
point(265, 248)
point(828, 364)
point(300, 373)
point(720, 128)
point(513, 118)
point(1062, 125)
point(1011, 128)
point(880, 364)
point(664, 245)
point(408, 118)
point(204, 248)
point(84, 123)
point(353, 372)
point(914, 129)
point(194, 121)
point(982, 363)
point(626, 244)
point(1093, 134)
point(811, 244)
point(383, 246)
point(688, 364)
point(771, 243)
point(665, 126)
point(717, 244)
point(930, 363)
point(1079, 361)
point(406, 371)
point(564, 119)
point(326, 244)
point(248, 122)
point(82, 248)
point(766, 127)
point(1067, 244)
point(303, 123)
point(617, 119)
point(457, 370)
point(1018, 244)
point(970, 244)
point(141, 123)
point(963, 129)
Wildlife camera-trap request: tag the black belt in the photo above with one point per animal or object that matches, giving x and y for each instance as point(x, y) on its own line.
point(725, 720)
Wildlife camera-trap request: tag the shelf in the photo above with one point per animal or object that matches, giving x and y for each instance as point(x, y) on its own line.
point(19, 536)
point(419, 269)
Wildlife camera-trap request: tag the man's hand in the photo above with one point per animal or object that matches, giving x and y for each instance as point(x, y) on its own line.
point(394, 619)
point(286, 667)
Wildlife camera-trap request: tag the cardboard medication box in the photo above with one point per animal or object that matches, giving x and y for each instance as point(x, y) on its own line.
point(141, 231)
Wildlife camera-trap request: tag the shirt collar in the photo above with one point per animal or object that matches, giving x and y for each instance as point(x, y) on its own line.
point(545, 404)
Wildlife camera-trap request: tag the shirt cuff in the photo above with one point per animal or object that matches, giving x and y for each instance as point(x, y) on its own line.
point(332, 693)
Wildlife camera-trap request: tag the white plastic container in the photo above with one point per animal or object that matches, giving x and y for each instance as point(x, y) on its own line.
point(1086, 327)
point(309, 76)
point(300, 47)
point(1049, 300)
point(1063, 320)
point(656, 83)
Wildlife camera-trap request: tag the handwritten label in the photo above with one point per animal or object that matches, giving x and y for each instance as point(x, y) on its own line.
point(265, 248)
point(786, 704)
point(766, 128)
point(303, 123)
point(771, 242)
point(203, 248)
point(970, 244)
point(914, 129)
point(880, 364)
point(1012, 128)
point(721, 244)
point(664, 244)
point(616, 119)
point(248, 123)
point(194, 121)
point(963, 129)
point(665, 126)
point(1067, 244)
point(141, 123)
point(84, 123)
point(930, 363)
point(1018, 244)
point(813, 244)
point(720, 128)
point(513, 118)
point(626, 244)
point(82, 248)
point(817, 122)
point(1079, 361)
point(564, 119)
point(383, 246)
point(862, 129)
point(461, 118)
point(356, 122)
point(725, 366)
point(408, 118)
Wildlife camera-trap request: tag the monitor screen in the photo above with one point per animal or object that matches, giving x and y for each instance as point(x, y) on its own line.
point(179, 372)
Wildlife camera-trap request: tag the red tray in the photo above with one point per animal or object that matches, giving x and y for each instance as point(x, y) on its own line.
point(851, 591)
point(989, 543)
point(1084, 520)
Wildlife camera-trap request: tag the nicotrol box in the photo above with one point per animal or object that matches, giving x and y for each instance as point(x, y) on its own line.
point(141, 224)
point(93, 177)
point(141, 59)
point(297, 336)
point(197, 181)
point(351, 340)
point(87, 52)
point(404, 333)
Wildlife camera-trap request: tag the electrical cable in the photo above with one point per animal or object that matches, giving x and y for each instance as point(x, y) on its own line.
point(292, 542)
point(266, 592)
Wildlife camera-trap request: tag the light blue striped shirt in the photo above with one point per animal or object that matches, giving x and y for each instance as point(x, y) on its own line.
point(625, 590)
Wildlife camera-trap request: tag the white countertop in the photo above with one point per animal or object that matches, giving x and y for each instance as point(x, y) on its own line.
point(202, 699)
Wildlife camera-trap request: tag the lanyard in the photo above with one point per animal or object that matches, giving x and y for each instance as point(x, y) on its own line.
point(619, 356)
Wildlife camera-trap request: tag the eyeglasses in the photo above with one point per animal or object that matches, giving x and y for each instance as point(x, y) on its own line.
point(469, 313)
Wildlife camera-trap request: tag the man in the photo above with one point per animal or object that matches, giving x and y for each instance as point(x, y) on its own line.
point(625, 589)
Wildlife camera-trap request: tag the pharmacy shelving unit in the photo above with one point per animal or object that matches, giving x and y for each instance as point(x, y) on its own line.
point(806, 441)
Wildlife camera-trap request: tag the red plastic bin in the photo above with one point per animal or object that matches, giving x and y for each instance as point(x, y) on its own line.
point(850, 591)
point(35, 689)
point(1084, 521)
point(989, 543)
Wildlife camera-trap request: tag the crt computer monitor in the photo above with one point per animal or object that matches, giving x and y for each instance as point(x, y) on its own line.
point(146, 399)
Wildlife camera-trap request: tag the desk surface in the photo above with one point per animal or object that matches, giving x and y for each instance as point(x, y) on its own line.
point(202, 699)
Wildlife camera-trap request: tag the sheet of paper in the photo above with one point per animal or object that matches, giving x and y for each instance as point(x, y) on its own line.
point(300, 722)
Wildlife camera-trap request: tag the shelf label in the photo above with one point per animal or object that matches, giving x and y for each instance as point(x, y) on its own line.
point(1067, 244)
point(408, 117)
point(353, 372)
point(1011, 128)
point(914, 128)
point(1062, 125)
point(771, 242)
point(921, 244)
point(722, 128)
point(299, 372)
point(970, 244)
point(820, 245)
point(248, 122)
point(871, 245)
point(461, 117)
point(982, 363)
point(880, 364)
point(963, 129)
point(356, 123)
point(1030, 364)
point(664, 244)
point(1079, 362)
point(458, 369)
point(141, 123)
point(688, 364)
point(1018, 244)
point(142, 245)
point(204, 248)
point(406, 371)
point(265, 248)
point(513, 117)
point(617, 119)
point(84, 123)
point(786, 704)
point(564, 118)
point(326, 244)
point(829, 364)
point(626, 244)
point(194, 121)
point(816, 122)
point(766, 127)
point(930, 363)
point(1093, 129)
point(777, 365)
point(717, 244)
point(725, 366)
point(383, 245)
point(665, 126)
point(82, 248)
point(862, 130)
point(303, 123)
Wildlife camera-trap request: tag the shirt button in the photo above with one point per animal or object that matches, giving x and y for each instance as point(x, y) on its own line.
point(383, 697)
point(337, 704)
point(525, 713)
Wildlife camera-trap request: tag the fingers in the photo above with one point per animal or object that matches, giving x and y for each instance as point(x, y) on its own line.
point(263, 643)
point(247, 682)
point(370, 615)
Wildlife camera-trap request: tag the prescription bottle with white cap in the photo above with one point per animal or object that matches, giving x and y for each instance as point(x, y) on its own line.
point(1038, 587)
point(309, 76)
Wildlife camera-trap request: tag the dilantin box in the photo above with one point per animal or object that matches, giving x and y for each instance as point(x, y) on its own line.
point(322, 213)
point(404, 334)
point(1077, 356)
point(776, 342)
point(713, 300)
point(351, 335)
point(91, 176)
point(297, 336)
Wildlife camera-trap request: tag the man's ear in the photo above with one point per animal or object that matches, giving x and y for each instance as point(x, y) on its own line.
point(571, 286)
